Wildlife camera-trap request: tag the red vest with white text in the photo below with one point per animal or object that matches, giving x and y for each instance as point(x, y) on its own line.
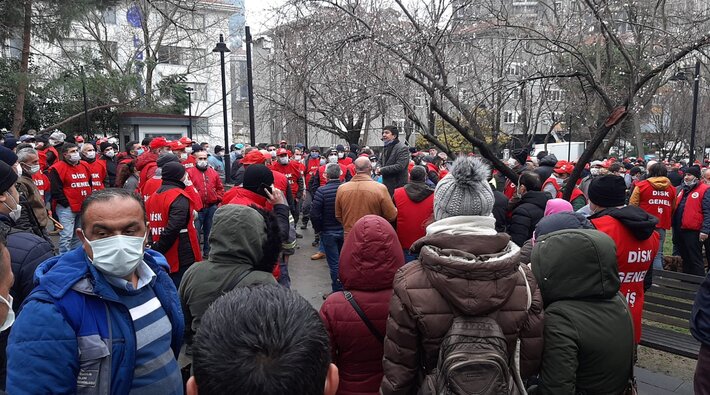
point(98, 174)
point(657, 203)
point(311, 168)
point(633, 258)
point(75, 181)
point(158, 210)
point(693, 212)
point(41, 182)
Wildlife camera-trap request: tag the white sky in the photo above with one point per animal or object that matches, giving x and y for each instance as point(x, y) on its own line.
point(258, 13)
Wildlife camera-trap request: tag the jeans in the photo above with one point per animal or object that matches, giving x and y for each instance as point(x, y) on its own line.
point(204, 217)
point(284, 278)
point(658, 260)
point(408, 256)
point(333, 243)
point(70, 221)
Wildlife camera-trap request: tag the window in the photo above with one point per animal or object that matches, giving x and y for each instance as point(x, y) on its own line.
point(510, 117)
point(109, 16)
point(174, 55)
point(418, 101)
point(514, 68)
point(197, 21)
point(555, 95)
point(399, 123)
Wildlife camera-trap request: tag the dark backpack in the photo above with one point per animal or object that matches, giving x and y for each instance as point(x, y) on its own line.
point(474, 359)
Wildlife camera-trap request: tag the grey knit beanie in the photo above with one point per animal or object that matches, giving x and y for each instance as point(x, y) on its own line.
point(464, 191)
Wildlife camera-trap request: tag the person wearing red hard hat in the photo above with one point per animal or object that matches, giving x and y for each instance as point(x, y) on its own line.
point(146, 163)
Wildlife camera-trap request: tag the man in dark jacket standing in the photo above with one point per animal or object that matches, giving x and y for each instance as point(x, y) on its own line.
point(691, 221)
point(324, 222)
point(529, 210)
point(27, 250)
point(546, 166)
point(75, 330)
point(171, 226)
point(394, 161)
point(108, 156)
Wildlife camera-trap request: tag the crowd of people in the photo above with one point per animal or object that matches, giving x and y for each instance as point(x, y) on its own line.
point(445, 276)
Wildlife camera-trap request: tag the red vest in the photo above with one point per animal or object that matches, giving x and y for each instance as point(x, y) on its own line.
point(693, 212)
point(345, 161)
point(190, 162)
point(98, 174)
point(633, 258)
point(292, 171)
point(576, 192)
point(280, 181)
point(158, 211)
point(412, 217)
point(657, 203)
point(324, 177)
point(311, 168)
point(41, 182)
point(75, 181)
point(150, 187)
point(42, 155)
point(509, 189)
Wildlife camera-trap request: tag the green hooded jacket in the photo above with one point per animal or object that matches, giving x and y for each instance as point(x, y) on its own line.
point(236, 239)
point(589, 338)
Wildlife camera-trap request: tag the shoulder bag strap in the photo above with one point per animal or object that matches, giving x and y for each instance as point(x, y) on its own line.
point(236, 280)
point(363, 317)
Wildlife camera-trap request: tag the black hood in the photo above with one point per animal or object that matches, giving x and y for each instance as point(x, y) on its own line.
point(537, 198)
point(640, 223)
point(549, 160)
point(418, 191)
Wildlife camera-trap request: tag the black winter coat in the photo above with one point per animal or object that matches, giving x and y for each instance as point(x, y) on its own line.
point(526, 216)
point(178, 218)
point(323, 208)
point(111, 166)
point(500, 209)
point(27, 251)
point(547, 164)
point(394, 165)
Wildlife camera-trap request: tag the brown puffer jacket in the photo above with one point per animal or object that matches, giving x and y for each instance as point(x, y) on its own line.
point(474, 274)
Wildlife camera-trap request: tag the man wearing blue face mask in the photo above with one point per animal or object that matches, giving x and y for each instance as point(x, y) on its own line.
point(105, 317)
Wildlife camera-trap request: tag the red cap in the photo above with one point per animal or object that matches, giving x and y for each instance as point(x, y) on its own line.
point(185, 141)
point(281, 151)
point(560, 163)
point(254, 157)
point(159, 142)
point(564, 169)
point(177, 145)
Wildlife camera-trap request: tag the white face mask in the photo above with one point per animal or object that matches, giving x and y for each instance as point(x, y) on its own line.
point(34, 169)
point(594, 171)
point(297, 157)
point(283, 160)
point(322, 161)
point(90, 154)
point(333, 159)
point(18, 170)
point(74, 157)
point(183, 156)
point(110, 153)
point(117, 256)
point(10, 319)
point(202, 163)
point(14, 213)
point(188, 150)
point(341, 155)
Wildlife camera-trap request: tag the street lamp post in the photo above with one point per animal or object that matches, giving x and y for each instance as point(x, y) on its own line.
point(250, 89)
point(189, 92)
point(694, 120)
point(222, 49)
point(86, 107)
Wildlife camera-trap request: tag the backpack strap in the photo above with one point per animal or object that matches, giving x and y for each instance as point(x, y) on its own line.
point(236, 280)
point(349, 297)
point(516, 353)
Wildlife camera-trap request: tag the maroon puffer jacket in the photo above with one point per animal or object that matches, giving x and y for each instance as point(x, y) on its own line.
point(369, 260)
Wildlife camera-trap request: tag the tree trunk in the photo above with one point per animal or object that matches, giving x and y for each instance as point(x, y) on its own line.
point(636, 128)
point(19, 116)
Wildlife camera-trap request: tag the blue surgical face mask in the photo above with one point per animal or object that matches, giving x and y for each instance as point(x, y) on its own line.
point(139, 152)
point(315, 155)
